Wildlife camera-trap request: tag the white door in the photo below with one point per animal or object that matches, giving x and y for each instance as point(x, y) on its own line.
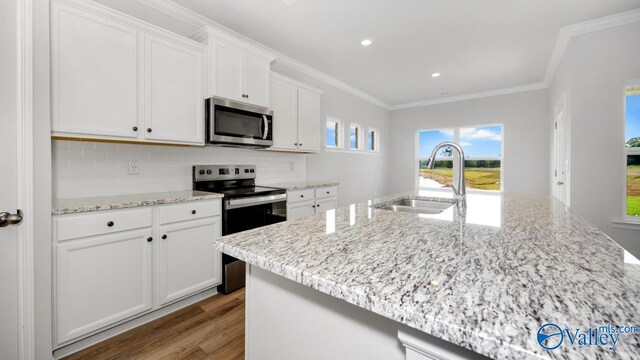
point(100, 281)
point(187, 260)
point(94, 74)
point(300, 210)
point(228, 75)
point(560, 163)
point(174, 92)
point(257, 74)
point(308, 120)
point(284, 103)
point(9, 201)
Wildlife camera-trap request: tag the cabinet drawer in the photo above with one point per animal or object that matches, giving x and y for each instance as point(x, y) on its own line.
point(188, 211)
point(100, 223)
point(300, 195)
point(326, 192)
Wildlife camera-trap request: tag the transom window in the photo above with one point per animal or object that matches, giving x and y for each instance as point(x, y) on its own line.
point(372, 140)
point(355, 137)
point(632, 149)
point(483, 157)
point(334, 133)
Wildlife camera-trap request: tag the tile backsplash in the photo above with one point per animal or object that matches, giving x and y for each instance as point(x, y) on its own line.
point(87, 169)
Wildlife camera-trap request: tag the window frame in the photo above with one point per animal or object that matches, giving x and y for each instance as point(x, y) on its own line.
point(359, 142)
point(339, 133)
point(628, 150)
point(456, 139)
point(376, 140)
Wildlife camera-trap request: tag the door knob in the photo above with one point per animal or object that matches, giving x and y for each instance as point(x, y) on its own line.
point(10, 219)
point(560, 183)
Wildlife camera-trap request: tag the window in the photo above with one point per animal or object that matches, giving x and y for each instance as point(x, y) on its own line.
point(372, 140)
point(355, 137)
point(483, 157)
point(632, 147)
point(334, 133)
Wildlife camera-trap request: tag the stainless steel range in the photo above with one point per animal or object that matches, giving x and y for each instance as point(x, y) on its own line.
point(245, 206)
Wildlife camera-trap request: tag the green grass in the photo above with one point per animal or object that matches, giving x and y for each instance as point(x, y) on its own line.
point(475, 178)
point(633, 190)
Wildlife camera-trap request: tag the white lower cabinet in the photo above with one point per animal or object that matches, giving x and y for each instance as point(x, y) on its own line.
point(102, 280)
point(132, 262)
point(187, 261)
point(307, 202)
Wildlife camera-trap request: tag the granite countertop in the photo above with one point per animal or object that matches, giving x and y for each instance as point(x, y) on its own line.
point(302, 185)
point(80, 205)
point(485, 281)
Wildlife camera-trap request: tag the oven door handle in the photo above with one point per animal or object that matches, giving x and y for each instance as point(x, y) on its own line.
point(252, 201)
point(265, 122)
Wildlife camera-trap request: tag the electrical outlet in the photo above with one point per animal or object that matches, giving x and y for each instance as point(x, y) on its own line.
point(134, 168)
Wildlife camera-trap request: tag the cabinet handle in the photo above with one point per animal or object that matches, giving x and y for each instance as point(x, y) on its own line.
point(318, 205)
point(313, 206)
point(296, 144)
point(301, 196)
point(328, 192)
point(164, 237)
point(110, 224)
point(135, 128)
point(300, 144)
point(149, 239)
point(149, 130)
point(193, 212)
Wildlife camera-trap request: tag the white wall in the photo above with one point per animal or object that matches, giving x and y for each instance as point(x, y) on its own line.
point(525, 127)
point(361, 176)
point(592, 74)
point(88, 169)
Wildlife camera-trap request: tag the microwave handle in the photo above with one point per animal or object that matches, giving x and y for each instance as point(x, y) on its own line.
point(265, 127)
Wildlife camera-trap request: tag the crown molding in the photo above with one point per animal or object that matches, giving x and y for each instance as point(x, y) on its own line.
point(564, 36)
point(190, 17)
point(476, 95)
point(567, 32)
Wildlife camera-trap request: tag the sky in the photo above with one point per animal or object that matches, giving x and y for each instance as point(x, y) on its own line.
point(476, 142)
point(633, 117)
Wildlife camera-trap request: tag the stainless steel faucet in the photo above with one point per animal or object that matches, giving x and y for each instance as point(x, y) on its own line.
point(459, 189)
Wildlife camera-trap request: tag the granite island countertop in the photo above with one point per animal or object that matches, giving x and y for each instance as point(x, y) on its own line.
point(80, 205)
point(485, 281)
point(299, 185)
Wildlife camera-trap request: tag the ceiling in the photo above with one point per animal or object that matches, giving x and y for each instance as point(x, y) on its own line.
point(476, 45)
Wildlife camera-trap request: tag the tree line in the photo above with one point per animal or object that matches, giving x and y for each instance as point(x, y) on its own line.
point(448, 164)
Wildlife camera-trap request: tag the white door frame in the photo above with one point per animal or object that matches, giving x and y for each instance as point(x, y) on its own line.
point(561, 152)
point(26, 252)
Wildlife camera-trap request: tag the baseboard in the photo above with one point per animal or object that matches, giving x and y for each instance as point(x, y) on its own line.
point(126, 326)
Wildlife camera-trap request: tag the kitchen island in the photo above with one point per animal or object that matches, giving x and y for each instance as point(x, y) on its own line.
point(362, 282)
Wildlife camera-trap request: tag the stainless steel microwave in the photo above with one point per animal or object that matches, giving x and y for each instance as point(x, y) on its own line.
point(233, 123)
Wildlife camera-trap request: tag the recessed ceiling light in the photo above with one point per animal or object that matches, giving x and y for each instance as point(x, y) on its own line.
point(435, 74)
point(366, 42)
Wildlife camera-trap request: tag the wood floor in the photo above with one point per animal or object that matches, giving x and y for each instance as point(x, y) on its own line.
point(210, 329)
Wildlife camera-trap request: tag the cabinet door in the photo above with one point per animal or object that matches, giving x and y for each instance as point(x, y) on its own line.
point(308, 120)
point(187, 261)
point(100, 281)
point(174, 91)
point(300, 210)
point(257, 76)
point(94, 74)
point(228, 75)
point(326, 204)
point(284, 100)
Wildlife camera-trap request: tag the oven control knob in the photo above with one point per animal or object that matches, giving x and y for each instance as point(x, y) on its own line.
point(201, 172)
point(209, 172)
point(252, 171)
point(246, 171)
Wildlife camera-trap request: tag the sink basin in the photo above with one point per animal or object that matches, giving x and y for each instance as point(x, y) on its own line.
point(418, 205)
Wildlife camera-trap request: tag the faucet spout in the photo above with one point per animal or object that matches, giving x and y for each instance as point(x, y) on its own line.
point(458, 187)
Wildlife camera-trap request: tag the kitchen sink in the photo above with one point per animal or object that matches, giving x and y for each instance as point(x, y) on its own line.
point(418, 205)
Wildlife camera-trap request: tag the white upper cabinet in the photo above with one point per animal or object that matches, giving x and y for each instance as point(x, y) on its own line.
point(296, 115)
point(258, 73)
point(174, 92)
point(94, 71)
point(284, 98)
point(239, 71)
point(227, 77)
point(308, 120)
point(115, 77)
